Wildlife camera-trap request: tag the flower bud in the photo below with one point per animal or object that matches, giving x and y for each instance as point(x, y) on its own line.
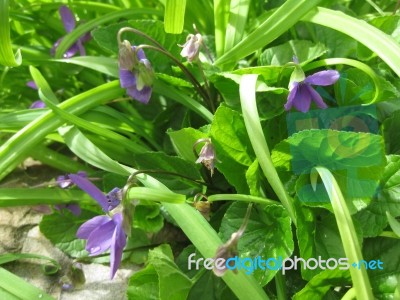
point(126, 58)
point(191, 47)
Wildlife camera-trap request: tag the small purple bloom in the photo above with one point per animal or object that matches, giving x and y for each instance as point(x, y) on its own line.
point(37, 103)
point(191, 48)
point(135, 72)
point(301, 91)
point(68, 21)
point(207, 155)
point(103, 233)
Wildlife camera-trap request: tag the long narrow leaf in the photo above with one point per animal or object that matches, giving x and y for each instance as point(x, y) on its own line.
point(174, 16)
point(376, 40)
point(71, 37)
point(347, 233)
point(258, 142)
point(16, 287)
point(7, 56)
point(279, 22)
point(239, 10)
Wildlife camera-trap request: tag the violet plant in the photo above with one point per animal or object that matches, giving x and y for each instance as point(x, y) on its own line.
point(222, 114)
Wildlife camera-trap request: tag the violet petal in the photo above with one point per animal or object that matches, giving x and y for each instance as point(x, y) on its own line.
point(302, 100)
point(93, 191)
point(127, 79)
point(142, 96)
point(100, 239)
point(37, 104)
point(67, 18)
point(32, 85)
point(87, 228)
point(71, 51)
point(82, 50)
point(117, 245)
point(323, 78)
point(292, 96)
point(317, 98)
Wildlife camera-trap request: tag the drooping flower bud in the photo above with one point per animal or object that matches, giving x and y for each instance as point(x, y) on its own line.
point(126, 59)
point(207, 154)
point(191, 48)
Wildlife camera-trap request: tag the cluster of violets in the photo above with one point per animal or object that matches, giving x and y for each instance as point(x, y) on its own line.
point(136, 73)
point(106, 232)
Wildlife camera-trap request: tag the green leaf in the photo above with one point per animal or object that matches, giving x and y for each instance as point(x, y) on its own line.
point(13, 287)
point(229, 136)
point(254, 179)
point(163, 162)
point(75, 34)
point(54, 267)
point(161, 277)
point(373, 218)
point(391, 133)
point(394, 224)
point(105, 65)
point(183, 141)
point(239, 10)
point(148, 217)
point(174, 16)
point(7, 57)
point(270, 98)
point(385, 281)
point(279, 22)
point(357, 159)
point(305, 51)
point(63, 236)
point(89, 152)
point(319, 285)
point(268, 235)
point(144, 285)
point(385, 46)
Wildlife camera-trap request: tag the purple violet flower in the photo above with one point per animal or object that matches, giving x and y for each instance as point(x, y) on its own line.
point(103, 233)
point(191, 48)
point(37, 103)
point(135, 72)
point(301, 91)
point(68, 20)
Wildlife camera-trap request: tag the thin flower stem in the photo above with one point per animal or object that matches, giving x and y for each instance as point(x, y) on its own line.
point(138, 32)
point(242, 198)
point(207, 85)
point(194, 81)
point(245, 220)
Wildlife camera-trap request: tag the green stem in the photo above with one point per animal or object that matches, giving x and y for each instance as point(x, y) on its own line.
point(348, 234)
point(257, 139)
point(389, 234)
point(243, 198)
point(351, 294)
point(144, 193)
point(280, 286)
